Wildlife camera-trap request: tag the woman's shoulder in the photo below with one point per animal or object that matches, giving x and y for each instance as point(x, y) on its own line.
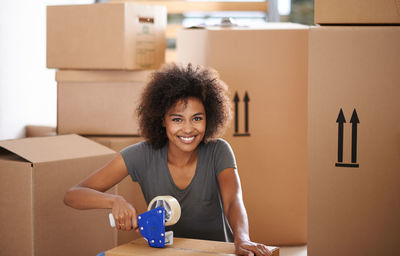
point(139, 146)
point(217, 144)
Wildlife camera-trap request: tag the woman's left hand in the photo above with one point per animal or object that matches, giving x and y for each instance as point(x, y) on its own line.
point(249, 248)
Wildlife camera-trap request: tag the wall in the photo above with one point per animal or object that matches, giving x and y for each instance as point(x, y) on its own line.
point(28, 94)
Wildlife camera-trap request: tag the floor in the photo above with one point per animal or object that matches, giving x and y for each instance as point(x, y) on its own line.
point(293, 250)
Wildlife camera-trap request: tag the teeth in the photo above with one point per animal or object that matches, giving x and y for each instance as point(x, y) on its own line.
point(186, 138)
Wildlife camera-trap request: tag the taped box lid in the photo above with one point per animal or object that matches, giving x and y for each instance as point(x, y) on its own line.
point(54, 148)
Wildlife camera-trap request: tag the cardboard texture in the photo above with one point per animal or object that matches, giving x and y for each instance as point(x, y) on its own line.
point(39, 131)
point(130, 190)
point(121, 35)
point(181, 246)
point(99, 102)
point(269, 131)
point(357, 12)
point(35, 173)
point(354, 156)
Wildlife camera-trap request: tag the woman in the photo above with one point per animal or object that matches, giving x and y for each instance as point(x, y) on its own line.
point(181, 113)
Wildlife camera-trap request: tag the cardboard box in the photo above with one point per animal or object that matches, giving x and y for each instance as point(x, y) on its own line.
point(130, 190)
point(35, 173)
point(39, 131)
point(181, 246)
point(99, 102)
point(357, 12)
point(267, 69)
point(116, 143)
point(121, 35)
point(354, 132)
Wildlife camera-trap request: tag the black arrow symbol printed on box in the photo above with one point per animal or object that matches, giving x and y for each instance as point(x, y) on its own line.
point(341, 121)
point(354, 121)
point(236, 100)
point(246, 112)
point(246, 101)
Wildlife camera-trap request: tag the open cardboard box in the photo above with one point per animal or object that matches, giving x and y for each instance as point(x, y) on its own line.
point(35, 173)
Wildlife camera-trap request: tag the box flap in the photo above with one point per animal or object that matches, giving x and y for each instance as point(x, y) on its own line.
point(102, 76)
point(53, 148)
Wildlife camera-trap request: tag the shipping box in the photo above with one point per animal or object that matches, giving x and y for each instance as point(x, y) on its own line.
point(99, 102)
point(181, 246)
point(121, 35)
point(35, 173)
point(130, 190)
point(357, 12)
point(39, 131)
point(266, 71)
point(354, 141)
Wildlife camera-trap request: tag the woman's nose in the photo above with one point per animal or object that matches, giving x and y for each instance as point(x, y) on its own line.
point(187, 127)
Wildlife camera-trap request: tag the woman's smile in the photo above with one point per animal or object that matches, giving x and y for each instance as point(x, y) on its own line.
point(185, 124)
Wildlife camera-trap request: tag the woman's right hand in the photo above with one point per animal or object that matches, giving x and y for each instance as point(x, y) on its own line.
point(124, 214)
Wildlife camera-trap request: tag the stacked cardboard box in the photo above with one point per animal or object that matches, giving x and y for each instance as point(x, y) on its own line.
point(266, 71)
point(99, 102)
point(104, 54)
point(354, 127)
point(124, 35)
point(108, 50)
point(347, 12)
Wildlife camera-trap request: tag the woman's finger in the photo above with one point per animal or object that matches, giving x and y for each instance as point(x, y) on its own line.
point(242, 251)
point(265, 250)
point(255, 248)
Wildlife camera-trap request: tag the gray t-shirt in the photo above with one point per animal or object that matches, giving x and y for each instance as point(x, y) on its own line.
point(202, 215)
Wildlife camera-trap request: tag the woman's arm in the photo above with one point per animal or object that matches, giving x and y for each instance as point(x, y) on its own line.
point(235, 211)
point(89, 194)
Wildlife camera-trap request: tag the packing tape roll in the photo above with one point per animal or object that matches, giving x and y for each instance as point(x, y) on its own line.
point(171, 206)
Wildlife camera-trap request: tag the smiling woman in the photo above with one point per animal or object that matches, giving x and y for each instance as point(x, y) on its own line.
point(181, 113)
point(174, 83)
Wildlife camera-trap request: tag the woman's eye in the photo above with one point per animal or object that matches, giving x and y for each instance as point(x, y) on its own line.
point(176, 120)
point(197, 118)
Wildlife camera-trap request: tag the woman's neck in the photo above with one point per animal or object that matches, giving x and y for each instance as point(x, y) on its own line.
point(180, 158)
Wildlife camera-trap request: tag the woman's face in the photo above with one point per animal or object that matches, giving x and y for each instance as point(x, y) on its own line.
point(185, 124)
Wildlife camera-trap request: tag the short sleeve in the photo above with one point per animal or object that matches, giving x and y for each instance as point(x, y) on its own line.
point(135, 157)
point(224, 156)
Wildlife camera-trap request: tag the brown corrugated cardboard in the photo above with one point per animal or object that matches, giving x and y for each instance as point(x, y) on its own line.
point(130, 190)
point(99, 102)
point(116, 143)
point(269, 65)
point(39, 131)
point(354, 132)
point(35, 173)
point(357, 12)
point(106, 36)
point(181, 246)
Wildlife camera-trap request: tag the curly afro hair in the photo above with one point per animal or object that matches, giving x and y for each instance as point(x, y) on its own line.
point(173, 83)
